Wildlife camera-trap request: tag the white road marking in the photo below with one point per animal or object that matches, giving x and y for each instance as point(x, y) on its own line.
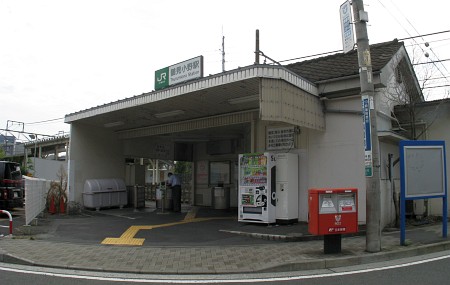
point(145, 279)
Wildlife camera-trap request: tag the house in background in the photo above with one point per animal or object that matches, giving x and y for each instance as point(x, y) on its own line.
point(8, 144)
point(337, 79)
point(428, 120)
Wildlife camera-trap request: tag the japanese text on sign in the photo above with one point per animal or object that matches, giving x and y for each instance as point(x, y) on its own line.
point(280, 138)
point(180, 72)
point(348, 40)
point(336, 230)
point(366, 106)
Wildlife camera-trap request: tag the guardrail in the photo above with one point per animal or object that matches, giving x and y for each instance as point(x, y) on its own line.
point(10, 221)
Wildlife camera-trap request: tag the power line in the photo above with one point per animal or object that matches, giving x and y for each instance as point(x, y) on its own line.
point(26, 133)
point(432, 78)
point(425, 35)
point(438, 86)
point(307, 56)
point(415, 44)
point(395, 18)
point(413, 38)
point(433, 61)
point(46, 121)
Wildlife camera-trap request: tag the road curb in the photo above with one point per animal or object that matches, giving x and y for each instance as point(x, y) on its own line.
point(327, 263)
point(310, 264)
point(10, 258)
point(288, 237)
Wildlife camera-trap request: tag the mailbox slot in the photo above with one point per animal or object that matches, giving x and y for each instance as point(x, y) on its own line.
point(333, 211)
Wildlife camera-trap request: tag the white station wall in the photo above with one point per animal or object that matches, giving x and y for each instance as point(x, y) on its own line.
point(95, 153)
point(336, 156)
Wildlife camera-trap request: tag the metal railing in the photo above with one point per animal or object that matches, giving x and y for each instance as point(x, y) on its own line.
point(150, 192)
point(10, 221)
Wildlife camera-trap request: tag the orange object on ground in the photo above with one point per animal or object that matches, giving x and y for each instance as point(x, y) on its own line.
point(62, 206)
point(52, 207)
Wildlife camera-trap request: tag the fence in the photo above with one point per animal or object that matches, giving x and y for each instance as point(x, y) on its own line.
point(35, 197)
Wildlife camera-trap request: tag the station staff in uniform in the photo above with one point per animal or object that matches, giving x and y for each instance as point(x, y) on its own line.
point(175, 183)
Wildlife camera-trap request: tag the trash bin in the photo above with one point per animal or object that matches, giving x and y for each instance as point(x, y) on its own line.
point(220, 198)
point(164, 195)
point(102, 193)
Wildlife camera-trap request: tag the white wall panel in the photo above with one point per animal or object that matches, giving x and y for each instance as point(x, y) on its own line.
point(35, 197)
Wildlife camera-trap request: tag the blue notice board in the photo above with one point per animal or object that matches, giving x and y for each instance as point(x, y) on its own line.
point(423, 175)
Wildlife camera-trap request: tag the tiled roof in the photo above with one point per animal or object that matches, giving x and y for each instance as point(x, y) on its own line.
point(342, 65)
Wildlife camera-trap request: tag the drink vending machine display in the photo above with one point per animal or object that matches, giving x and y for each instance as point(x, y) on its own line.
point(257, 188)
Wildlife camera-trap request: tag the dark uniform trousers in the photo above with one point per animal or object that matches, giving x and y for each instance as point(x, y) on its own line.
point(176, 198)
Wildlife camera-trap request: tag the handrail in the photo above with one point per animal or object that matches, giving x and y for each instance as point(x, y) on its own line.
point(10, 221)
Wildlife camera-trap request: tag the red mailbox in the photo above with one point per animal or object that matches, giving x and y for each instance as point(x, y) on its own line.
point(333, 211)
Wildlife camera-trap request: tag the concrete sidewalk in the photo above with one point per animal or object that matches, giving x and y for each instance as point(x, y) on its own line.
point(236, 248)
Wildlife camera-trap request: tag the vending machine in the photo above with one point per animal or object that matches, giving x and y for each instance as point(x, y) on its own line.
point(257, 188)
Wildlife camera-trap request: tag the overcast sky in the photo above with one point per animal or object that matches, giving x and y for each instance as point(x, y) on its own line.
point(62, 56)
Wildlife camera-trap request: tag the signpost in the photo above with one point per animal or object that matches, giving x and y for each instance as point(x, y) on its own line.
point(348, 40)
point(178, 73)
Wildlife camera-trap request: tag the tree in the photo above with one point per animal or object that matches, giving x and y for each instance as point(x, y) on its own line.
point(57, 194)
point(183, 167)
point(407, 90)
point(404, 100)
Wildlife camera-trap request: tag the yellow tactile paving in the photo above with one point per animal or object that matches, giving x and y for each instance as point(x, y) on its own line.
point(123, 241)
point(127, 238)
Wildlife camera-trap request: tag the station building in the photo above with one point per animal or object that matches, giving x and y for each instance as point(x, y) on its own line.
point(315, 105)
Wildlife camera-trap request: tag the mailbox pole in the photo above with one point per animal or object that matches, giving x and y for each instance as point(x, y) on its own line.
point(373, 204)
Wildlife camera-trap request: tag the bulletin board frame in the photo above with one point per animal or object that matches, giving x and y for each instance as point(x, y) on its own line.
point(423, 175)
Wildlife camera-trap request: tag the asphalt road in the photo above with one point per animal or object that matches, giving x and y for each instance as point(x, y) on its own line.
point(207, 227)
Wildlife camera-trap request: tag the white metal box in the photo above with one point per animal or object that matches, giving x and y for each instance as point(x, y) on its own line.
point(287, 188)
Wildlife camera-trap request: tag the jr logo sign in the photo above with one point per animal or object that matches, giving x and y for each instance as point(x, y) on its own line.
point(161, 78)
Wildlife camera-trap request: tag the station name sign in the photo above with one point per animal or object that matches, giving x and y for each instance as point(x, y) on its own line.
point(348, 40)
point(178, 73)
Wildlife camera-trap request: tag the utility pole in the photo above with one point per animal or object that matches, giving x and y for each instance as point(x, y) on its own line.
point(223, 53)
point(372, 160)
point(257, 48)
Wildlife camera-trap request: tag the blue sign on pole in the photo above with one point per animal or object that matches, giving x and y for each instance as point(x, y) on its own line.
point(423, 175)
point(367, 136)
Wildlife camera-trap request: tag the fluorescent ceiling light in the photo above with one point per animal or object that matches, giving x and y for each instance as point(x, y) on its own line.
point(245, 99)
point(169, 114)
point(114, 124)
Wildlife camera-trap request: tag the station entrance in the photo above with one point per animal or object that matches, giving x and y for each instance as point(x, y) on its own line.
point(204, 160)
